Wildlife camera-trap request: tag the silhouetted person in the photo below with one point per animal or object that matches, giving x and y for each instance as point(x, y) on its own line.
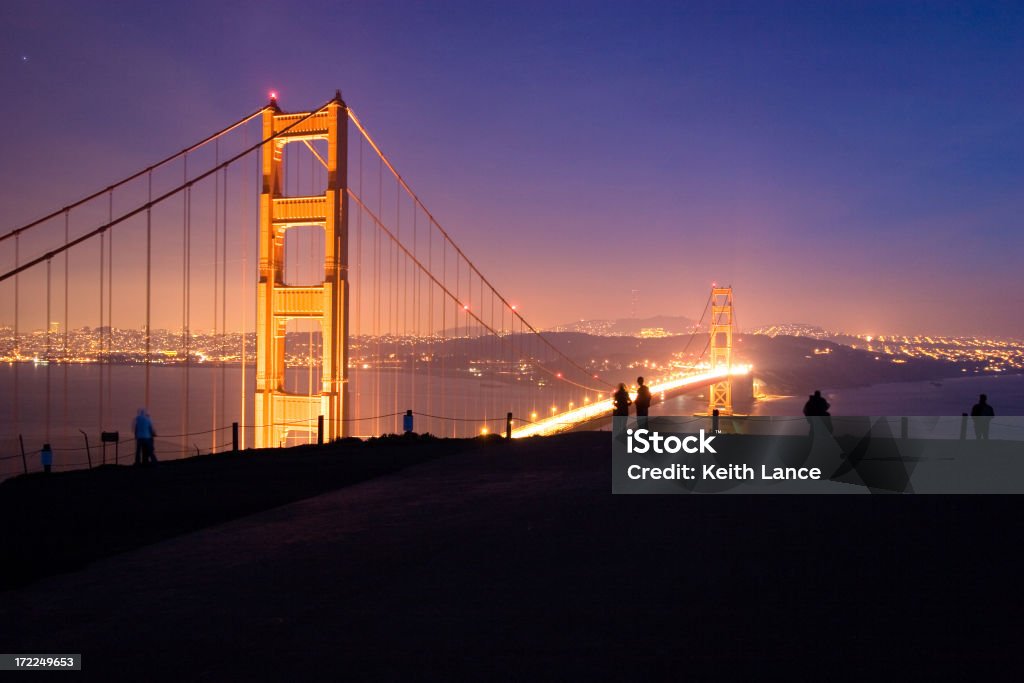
point(982, 413)
point(817, 408)
point(642, 402)
point(46, 457)
point(142, 425)
point(620, 401)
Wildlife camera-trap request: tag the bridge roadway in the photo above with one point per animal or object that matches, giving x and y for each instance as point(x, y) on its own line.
point(568, 419)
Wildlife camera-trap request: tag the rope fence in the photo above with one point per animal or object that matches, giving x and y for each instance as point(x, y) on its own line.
point(727, 422)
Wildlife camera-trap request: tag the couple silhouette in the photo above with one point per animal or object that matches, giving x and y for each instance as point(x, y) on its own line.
point(621, 401)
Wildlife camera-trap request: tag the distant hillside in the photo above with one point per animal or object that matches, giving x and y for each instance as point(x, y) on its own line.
point(786, 364)
point(798, 365)
point(805, 330)
point(659, 325)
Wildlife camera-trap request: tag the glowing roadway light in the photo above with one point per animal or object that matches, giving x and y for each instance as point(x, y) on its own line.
point(484, 431)
point(465, 307)
point(563, 421)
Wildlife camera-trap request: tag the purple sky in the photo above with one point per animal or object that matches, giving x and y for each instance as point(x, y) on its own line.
point(856, 165)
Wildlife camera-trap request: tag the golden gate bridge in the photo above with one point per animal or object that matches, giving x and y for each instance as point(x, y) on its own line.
point(364, 307)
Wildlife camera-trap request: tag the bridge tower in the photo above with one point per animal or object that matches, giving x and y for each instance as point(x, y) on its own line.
point(720, 396)
point(277, 303)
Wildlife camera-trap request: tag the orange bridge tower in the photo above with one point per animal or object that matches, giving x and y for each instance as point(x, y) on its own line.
point(720, 396)
point(276, 410)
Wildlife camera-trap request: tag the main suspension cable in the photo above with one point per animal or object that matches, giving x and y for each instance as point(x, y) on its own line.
point(459, 251)
point(132, 177)
point(148, 205)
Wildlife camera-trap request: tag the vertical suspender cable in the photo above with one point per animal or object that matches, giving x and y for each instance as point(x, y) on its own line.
point(356, 393)
point(66, 354)
point(376, 325)
point(17, 340)
point(99, 330)
point(442, 379)
point(245, 280)
point(214, 405)
point(430, 323)
point(458, 309)
point(395, 287)
point(188, 318)
point(184, 303)
point(47, 332)
point(149, 297)
point(416, 312)
point(110, 308)
point(221, 341)
point(310, 412)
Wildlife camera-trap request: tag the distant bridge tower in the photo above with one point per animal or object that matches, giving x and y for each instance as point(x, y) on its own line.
point(720, 396)
point(277, 303)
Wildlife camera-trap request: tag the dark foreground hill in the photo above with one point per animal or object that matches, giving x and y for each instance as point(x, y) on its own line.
point(515, 562)
point(58, 522)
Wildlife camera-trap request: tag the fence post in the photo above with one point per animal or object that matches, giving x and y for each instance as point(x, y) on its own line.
point(319, 430)
point(963, 427)
point(234, 437)
point(714, 421)
point(904, 427)
point(407, 422)
point(24, 463)
point(88, 453)
point(508, 426)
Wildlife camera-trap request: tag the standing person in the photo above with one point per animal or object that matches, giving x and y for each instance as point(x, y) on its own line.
point(144, 435)
point(620, 399)
point(643, 403)
point(982, 413)
point(46, 457)
point(817, 406)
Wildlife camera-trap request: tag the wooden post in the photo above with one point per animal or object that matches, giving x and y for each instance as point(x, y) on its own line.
point(508, 426)
point(24, 462)
point(234, 437)
point(319, 430)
